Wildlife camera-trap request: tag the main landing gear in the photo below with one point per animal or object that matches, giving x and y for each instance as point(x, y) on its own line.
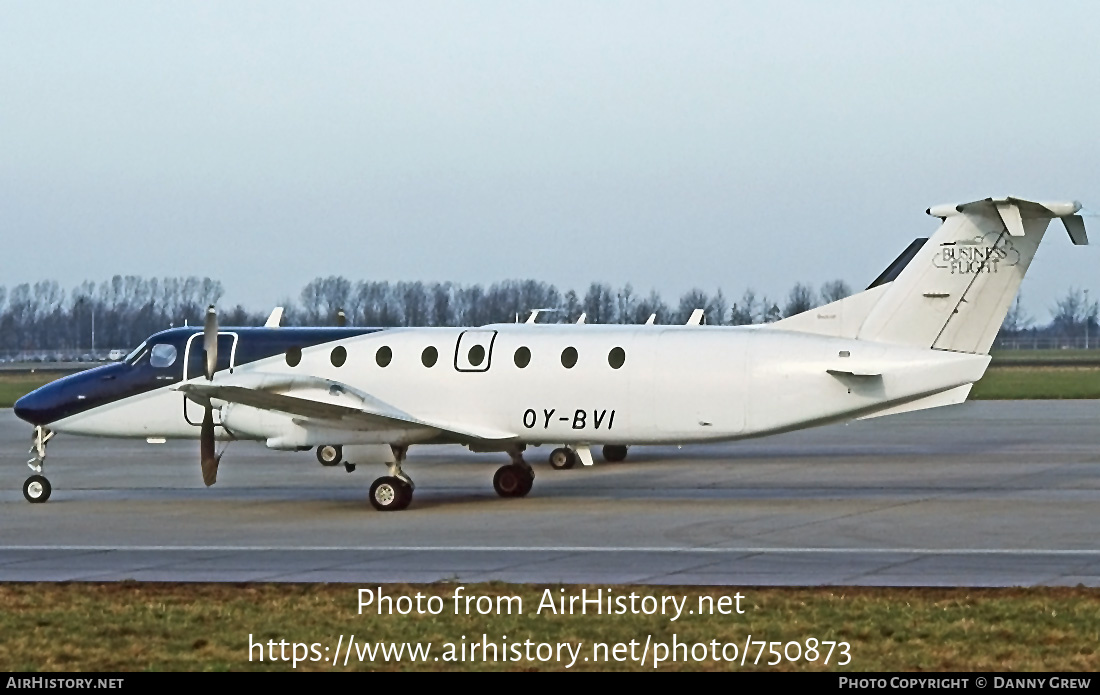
point(515, 479)
point(392, 492)
point(36, 488)
point(330, 454)
point(613, 453)
point(564, 458)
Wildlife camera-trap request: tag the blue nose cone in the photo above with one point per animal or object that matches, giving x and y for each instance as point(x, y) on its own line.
point(37, 406)
point(70, 395)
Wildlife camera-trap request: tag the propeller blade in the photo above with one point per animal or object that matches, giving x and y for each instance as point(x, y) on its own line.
point(341, 318)
point(210, 341)
point(207, 456)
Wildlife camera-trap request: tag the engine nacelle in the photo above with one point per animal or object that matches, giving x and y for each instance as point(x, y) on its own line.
point(283, 431)
point(247, 422)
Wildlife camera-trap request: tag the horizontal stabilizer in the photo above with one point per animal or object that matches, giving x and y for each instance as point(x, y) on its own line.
point(1076, 228)
point(952, 396)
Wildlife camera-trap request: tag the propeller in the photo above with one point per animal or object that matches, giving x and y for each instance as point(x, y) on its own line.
point(208, 458)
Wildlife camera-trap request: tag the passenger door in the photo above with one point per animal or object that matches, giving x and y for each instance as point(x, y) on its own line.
point(194, 366)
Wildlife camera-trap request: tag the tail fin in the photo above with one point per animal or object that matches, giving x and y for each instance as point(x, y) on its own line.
point(954, 291)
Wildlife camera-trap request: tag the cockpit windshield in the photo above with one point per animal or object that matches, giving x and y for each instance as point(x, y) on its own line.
point(136, 354)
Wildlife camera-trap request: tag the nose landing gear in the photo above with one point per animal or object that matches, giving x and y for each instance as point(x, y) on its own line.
point(36, 489)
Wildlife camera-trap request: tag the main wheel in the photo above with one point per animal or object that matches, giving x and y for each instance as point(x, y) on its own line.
point(613, 453)
point(330, 454)
point(562, 458)
point(37, 489)
point(390, 494)
point(513, 481)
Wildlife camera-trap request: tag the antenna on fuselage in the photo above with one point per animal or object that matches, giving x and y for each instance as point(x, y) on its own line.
point(275, 318)
point(535, 314)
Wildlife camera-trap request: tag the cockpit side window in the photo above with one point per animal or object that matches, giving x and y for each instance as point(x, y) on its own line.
point(132, 358)
point(163, 355)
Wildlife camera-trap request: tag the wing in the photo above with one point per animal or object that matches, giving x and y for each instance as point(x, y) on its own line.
point(326, 403)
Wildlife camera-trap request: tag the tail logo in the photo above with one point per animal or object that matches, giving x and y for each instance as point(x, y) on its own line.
point(982, 254)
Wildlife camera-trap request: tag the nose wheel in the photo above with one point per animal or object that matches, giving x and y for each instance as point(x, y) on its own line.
point(37, 489)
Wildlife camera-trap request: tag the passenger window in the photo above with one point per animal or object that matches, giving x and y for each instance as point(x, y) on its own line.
point(616, 358)
point(477, 355)
point(383, 356)
point(569, 357)
point(523, 357)
point(162, 355)
point(294, 356)
point(429, 356)
point(339, 356)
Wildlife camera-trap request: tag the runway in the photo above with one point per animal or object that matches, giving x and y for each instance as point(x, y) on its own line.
point(983, 494)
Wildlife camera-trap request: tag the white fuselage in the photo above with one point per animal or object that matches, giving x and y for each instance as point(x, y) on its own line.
point(677, 384)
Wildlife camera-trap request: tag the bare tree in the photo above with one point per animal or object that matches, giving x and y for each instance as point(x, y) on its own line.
point(745, 311)
point(834, 290)
point(800, 299)
point(1017, 319)
point(652, 305)
point(771, 312)
point(1071, 313)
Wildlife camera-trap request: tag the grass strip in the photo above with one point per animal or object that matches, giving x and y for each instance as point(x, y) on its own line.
point(1002, 382)
point(15, 385)
point(164, 626)
point(1047, 357)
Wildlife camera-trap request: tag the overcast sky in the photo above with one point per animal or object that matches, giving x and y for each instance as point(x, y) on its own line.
point(665, 144)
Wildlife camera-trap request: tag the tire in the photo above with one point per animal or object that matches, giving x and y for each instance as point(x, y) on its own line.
point(613, 453)
point(512, 481)
point(330, 454)
point(562, 458)
point(390, 494)
point(36, 489)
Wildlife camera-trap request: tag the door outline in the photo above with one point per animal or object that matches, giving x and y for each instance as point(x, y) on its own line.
point(192, 413)
point(462, 363)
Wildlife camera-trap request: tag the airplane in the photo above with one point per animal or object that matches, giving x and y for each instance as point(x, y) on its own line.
point(918, 337)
